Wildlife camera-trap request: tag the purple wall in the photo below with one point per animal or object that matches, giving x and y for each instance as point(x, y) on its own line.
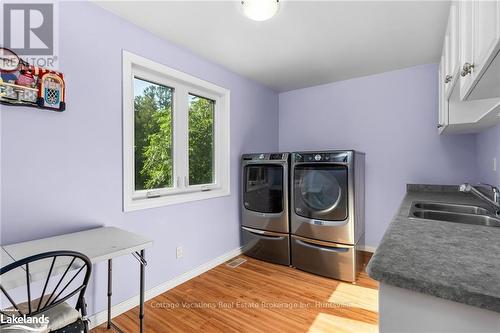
point(488, 147)
point(62, 172)
point(391, 117)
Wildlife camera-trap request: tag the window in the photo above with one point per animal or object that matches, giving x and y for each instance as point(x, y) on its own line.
point(175, 136)
point(153, 135)
point(201, 140)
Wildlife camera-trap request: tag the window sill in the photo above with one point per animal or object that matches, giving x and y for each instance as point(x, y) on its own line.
point(139, 204)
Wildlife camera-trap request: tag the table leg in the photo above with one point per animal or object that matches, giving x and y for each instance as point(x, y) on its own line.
point(141, 295)
point(110, 288)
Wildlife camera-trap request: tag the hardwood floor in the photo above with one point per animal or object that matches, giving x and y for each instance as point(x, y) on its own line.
point(260, 297)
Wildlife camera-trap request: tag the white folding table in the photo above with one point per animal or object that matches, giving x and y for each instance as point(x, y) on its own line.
point(5, 258)
point(98, 244)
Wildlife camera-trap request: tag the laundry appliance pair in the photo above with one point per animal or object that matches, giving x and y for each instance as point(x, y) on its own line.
point(305, 209)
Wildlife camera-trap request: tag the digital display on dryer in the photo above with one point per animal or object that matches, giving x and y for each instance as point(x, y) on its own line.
point(276, 156)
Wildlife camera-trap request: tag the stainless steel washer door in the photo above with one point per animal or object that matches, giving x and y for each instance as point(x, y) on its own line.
point(265, 196)
point(321, 192)
point(263, 188)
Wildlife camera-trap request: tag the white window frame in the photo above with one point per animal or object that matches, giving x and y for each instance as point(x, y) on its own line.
point(183, 84)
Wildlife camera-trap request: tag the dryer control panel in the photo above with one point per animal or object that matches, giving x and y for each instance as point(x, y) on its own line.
point(322, 157)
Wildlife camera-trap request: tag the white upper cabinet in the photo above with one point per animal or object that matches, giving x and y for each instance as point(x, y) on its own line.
point(480, 43)
point(451, 50)
point(469, 71)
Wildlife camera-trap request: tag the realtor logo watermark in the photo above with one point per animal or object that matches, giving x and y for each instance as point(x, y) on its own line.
point(25, 323)
point(30, 30)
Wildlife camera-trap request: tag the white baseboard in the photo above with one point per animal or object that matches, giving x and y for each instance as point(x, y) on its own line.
point(367, 248)
point(117, 309)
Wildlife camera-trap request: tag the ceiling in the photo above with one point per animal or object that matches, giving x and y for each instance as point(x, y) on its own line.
point(307, 43)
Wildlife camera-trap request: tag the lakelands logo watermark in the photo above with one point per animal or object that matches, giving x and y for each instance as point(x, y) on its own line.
point(30, 30)
point(25, 323)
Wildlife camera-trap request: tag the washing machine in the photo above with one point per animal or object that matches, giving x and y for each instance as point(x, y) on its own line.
point(327, 212)
point(264, 207)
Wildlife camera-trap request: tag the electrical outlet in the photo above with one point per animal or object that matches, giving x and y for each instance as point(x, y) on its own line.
point(178, 252)
point(494, 164)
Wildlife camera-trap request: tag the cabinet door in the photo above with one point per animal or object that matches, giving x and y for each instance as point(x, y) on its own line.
point(486, 37)
point(447, 66)
point(482, 38)
point(443, 100)
point(466, 43)
point(451, 52)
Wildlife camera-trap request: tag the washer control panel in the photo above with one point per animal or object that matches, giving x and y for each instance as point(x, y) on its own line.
point(265, 157)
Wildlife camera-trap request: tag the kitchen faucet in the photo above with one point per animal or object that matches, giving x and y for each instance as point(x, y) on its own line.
point(494, 202)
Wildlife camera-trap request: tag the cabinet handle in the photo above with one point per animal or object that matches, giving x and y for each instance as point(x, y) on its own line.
point(466, 69)
point(439, 125)
point(447, 78)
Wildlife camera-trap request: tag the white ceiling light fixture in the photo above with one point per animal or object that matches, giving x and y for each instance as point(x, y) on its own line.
point(260, 10)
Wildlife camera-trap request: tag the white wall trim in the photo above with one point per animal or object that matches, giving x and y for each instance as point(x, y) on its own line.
point(117, 309)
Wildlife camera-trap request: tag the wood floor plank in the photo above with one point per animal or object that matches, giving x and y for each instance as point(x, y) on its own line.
point(260, 297)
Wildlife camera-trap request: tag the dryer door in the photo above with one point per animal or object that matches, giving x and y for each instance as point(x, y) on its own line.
point(321, 191)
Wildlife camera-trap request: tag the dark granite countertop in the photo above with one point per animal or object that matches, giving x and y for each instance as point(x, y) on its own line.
point(454, 261)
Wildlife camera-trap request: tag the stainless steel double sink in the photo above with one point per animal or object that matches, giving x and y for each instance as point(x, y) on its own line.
point(448, 212)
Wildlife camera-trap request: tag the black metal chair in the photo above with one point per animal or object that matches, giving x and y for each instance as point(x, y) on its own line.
point(61, 282)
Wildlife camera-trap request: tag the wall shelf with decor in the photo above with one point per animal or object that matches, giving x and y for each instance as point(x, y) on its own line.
point(22, 84)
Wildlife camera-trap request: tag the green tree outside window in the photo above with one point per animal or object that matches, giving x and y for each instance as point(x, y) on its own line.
point(153, 137)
